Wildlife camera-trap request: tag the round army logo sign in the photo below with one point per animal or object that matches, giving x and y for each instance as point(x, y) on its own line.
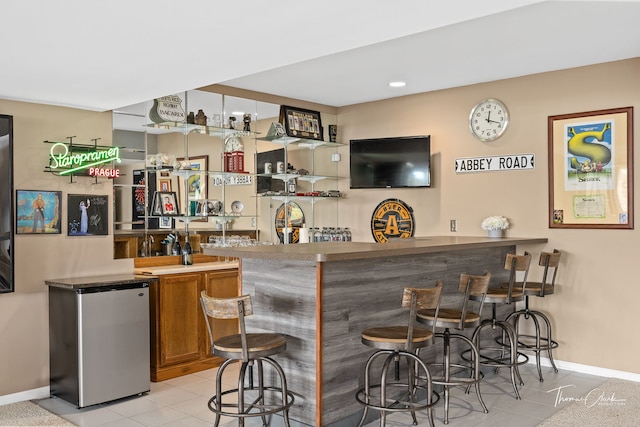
point(392, 219)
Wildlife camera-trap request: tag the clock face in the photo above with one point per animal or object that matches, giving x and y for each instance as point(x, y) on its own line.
point(488, 120)
point(233, 143)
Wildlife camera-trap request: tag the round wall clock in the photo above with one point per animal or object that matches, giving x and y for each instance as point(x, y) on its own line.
point(488, 120)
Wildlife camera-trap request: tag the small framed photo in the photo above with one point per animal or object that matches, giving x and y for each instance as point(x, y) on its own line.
point(301, 123)
point(168, 203)
point(165, 222)
point(164, 184)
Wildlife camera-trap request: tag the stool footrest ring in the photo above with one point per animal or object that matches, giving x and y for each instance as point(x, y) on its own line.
point(263, 409)
point(407, 405)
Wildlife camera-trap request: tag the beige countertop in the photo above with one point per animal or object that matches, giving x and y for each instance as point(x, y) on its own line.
point(338, 251)
point(76, 283)
point(174, 269)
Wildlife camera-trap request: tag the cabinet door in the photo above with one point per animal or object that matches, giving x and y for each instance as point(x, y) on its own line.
point(180, 318)
point(222, 284)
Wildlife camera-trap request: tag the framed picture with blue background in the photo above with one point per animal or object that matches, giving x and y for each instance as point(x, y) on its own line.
point(38, 211)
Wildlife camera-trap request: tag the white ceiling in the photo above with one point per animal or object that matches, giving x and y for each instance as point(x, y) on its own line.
point(105, 55)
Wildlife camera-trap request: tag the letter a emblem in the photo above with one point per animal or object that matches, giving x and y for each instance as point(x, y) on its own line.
point(392, 226)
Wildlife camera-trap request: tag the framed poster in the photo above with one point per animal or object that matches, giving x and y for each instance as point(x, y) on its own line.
point(87, 215)
point(301, 123)
point(166, 203)
point(38, 212)
point(165, 222)
point(164, 184)
point(591, 169)
point(194, 184)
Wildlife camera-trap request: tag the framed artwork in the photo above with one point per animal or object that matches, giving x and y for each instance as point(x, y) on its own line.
point(165, 222)
point(193, 183)
point(87, 215)
point(301, 123)
point(591, 169)
point(164, 185)
point(38, 212)
point(166, 203)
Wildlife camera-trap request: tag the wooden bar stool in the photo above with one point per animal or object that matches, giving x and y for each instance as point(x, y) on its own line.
point(459, 318)
point(508, 355)
point(538, 342)
point(393, 344)
point(248, 400)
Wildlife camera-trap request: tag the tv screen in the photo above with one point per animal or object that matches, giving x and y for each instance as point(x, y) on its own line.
point(399, 162)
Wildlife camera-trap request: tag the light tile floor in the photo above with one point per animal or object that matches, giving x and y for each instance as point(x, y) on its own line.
point(183, 402)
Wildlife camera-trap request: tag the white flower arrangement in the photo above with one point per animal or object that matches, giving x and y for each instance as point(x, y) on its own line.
point(496, 222)
point(160, 160)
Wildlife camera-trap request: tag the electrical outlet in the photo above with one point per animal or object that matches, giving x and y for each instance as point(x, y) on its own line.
point(253, 223)
point(454, 225)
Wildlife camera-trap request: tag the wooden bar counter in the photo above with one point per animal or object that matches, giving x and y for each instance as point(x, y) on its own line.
point(322, 295)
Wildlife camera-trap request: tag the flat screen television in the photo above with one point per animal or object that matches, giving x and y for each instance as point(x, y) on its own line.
point(399, 162)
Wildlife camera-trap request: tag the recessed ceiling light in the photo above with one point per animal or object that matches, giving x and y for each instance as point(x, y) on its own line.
point(238, 113)
point(397, 84)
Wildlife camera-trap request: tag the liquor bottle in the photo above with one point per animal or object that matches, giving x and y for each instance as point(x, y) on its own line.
point(176, 249)
point(187, 252)
point(347, 234)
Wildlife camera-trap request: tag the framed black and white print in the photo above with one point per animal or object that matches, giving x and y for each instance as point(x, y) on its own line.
point(87, 215)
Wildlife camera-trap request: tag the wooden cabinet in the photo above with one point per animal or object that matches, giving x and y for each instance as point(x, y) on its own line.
point(179, 339)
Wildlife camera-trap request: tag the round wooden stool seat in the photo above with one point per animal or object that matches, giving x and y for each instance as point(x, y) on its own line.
point(258, 345)
point(500, 295)
point(395, 337)
point(449, 317)
point(534, 288)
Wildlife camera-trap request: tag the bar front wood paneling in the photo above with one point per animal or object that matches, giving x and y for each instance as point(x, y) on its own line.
point(322, 301)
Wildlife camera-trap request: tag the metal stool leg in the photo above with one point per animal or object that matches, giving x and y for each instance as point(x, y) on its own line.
point(390, 404)
point(477, 375)
point(541, 342)
point(513, 349)
point(551, 344)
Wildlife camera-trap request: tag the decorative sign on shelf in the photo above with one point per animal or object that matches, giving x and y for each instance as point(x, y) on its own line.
point(391, 219)
point(232, 180)
point(167, 109)
point(495, 163)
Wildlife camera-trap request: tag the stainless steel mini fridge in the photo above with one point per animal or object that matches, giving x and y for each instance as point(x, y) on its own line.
point(99, 342)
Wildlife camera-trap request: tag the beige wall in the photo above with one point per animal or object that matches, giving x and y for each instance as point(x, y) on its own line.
point(24, 321)
point(592, 310)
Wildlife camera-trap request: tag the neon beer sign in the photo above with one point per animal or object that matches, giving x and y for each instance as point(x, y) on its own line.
point(89, 160)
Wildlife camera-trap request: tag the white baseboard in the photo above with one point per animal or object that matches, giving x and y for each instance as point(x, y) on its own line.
point(43, 392)
point(587, 369)
point(37, 393)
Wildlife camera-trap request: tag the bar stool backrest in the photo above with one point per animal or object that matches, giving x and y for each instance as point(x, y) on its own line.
point(549, 260)
point(228, 308)
point(417, 299)
point(515, 263)
point(476, 287)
